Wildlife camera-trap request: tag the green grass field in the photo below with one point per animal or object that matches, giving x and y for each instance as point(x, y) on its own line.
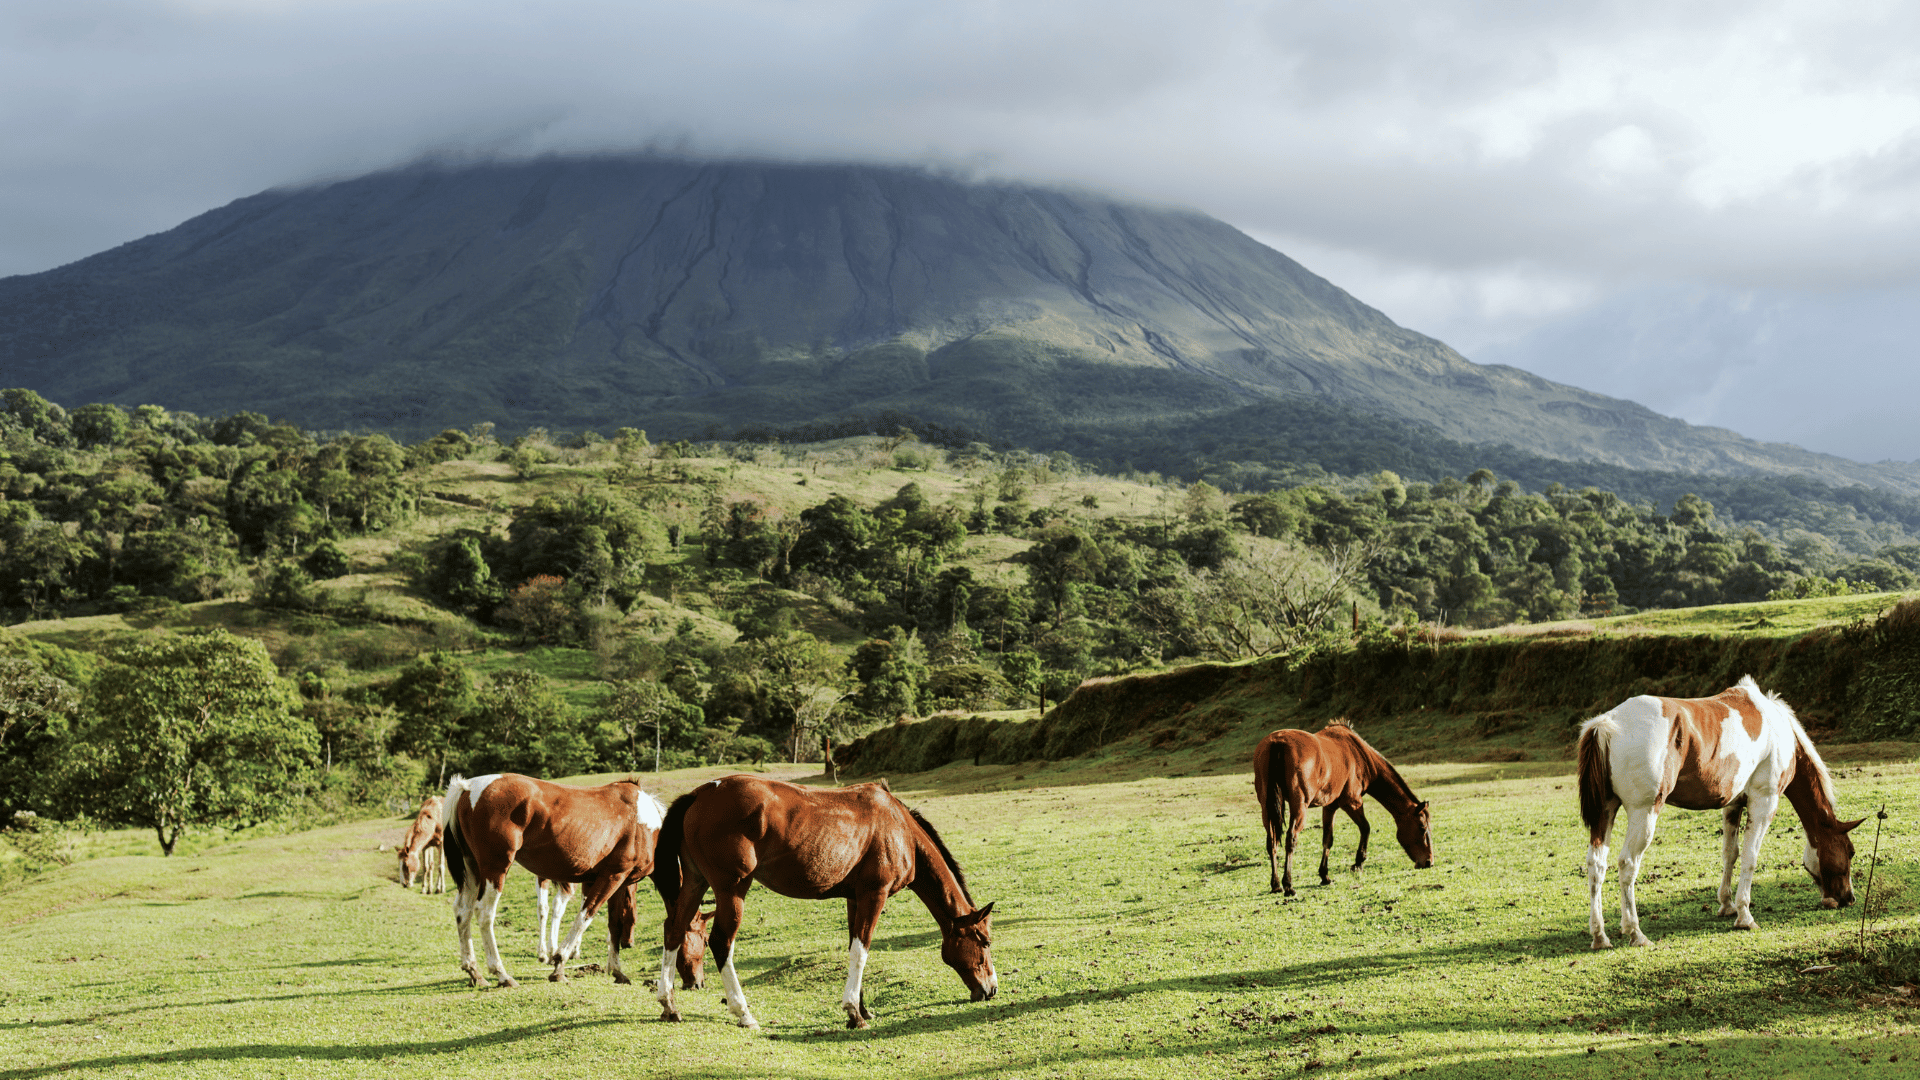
point(1134, 936)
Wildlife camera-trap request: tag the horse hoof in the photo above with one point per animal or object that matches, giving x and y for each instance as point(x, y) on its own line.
point(620, 977)
point(670, 1016)
point(507, 983)
point(557, 977)
point(1640, 942)
point(1601, 943)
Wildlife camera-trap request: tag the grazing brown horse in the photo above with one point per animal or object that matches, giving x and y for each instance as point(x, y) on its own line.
point(601, 837)
point(423, 852)
point(858, 843)
point(1740, 750)
point(1333, 768)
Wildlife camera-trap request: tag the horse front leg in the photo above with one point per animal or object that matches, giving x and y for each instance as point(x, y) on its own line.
point(1359, 816)
point(1326, 843)
point(1641, 822)
point(1597, 874)
point(686, 909)
point(1760, 811)
point(1296, 820)
point(489, 906)
point(863, 915)
point(541, 949)
point(592, 895)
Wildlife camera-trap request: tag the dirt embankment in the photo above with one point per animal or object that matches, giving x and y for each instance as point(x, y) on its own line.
point(1858, 682)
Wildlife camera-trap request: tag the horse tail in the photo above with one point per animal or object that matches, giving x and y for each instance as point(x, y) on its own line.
point(1267, 772)
point(456, 855)
point(666, 852)
point(1596, 771)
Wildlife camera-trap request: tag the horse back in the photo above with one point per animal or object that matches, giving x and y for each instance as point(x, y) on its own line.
point(808, 843)
point(1317, 767)
point(1697, 753)
point(559, 832)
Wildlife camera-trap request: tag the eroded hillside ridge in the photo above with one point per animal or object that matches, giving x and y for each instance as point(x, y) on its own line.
point(675, 295)
point(1858, 682)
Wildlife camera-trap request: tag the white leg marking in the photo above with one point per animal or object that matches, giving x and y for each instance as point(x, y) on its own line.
point(489, 905)
point(559, 915)
point(541, 946)
point(856, 968)
point(663, 990)
point(736, 998)
point(571, 947)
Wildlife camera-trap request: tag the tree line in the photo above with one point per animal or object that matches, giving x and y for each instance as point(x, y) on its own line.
point(796, 628)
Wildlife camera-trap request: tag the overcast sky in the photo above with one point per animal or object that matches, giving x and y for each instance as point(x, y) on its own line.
point(1712, 208)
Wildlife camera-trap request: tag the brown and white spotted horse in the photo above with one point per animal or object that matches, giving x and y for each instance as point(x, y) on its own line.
point(1738, 750)
point(1332, 768)
point(602, 838)
point(423, 852)
point(858, 843)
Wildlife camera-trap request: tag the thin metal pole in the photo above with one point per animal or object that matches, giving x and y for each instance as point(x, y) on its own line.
point(1867, 900)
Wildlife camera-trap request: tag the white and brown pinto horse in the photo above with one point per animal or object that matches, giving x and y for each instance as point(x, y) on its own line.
point(1738, 750)
point(422, 852)
point(858, 844)
point(602, 838)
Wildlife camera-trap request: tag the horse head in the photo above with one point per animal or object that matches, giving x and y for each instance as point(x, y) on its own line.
point(1414, 829)
point(691, 963)
point(409, 865)
point(1829, 860)
point(967, 947)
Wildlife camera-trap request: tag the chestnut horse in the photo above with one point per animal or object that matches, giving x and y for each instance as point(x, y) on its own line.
point(1333, 768)
point(423, 852)
point(855, 843)
point(602, 837)
point(1740, 749)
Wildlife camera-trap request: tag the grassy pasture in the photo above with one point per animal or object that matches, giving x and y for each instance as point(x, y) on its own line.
point(1134, 936)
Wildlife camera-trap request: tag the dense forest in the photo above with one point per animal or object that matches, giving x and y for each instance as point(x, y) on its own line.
point(723, 624)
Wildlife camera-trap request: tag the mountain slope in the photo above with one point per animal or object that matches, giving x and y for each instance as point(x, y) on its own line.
point(674, 295)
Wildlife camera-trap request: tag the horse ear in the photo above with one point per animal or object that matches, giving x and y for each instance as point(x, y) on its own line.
point(1849, 826)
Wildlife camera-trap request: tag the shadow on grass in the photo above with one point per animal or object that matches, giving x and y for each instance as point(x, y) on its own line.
point(270, 1052)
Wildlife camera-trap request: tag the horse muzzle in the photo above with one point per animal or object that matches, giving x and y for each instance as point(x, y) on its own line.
point(1423, 865)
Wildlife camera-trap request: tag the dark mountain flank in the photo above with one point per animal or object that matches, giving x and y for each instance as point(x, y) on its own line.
point(593, 293)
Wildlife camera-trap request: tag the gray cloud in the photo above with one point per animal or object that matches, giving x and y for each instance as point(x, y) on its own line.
point(1482, 170)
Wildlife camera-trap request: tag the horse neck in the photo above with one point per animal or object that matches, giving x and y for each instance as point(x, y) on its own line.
point(935, 884)
point(1809, 795)
point(1384, 784)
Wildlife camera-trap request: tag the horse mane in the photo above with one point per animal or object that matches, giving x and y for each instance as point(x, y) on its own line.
point(1377, 759)
point(1339, 721)
point(940, 845)
point(1764, 699)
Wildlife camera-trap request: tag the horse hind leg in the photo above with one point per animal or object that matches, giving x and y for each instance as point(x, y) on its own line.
point(464, 904)
point(1730, 820)
point(1760, 811)
point(1597, 875)
point(726, 923)
point(1296, 820)
point(1641, 822)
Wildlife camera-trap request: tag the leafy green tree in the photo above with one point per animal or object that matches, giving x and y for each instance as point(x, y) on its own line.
point(521, 724)
point(187, 731)
point(433, 697)
point(36, 709)
point(634, 712)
